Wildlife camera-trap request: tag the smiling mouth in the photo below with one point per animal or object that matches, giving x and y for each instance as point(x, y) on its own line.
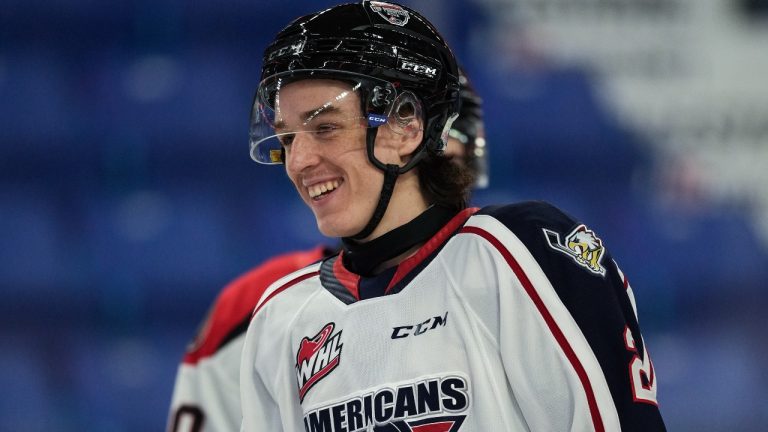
point(319, 190)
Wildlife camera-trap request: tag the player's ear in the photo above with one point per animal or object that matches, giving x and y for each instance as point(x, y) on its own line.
point(407, 122)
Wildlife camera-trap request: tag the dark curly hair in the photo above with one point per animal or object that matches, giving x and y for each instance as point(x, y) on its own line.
point(444, 181)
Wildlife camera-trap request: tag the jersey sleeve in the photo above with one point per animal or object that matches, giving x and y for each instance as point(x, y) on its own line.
point(206, 394)
point(568, 329)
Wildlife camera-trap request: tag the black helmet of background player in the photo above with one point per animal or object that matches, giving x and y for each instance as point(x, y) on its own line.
point(394, 59)
point(468, 133)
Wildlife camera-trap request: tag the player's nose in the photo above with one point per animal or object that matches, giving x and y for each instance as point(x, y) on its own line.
point(302, 154)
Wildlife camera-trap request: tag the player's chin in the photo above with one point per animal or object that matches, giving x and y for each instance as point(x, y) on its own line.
point(336, 226)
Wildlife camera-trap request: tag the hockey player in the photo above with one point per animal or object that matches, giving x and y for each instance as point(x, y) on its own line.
point(434, 316)
point(206, 394)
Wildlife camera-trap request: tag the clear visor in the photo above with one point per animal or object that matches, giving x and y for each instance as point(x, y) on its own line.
point(324, 106)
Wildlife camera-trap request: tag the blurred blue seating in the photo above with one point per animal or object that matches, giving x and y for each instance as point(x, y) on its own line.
point(127, 199)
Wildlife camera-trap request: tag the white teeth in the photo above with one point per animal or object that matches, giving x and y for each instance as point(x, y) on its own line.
point(321, 188)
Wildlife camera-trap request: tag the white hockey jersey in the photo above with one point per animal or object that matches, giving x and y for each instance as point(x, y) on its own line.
point(513, 318)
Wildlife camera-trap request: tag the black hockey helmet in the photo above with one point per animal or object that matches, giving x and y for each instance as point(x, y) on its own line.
point(392, 57)
point(370, 39)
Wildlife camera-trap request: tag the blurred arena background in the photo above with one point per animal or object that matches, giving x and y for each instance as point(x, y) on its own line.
point(127, 197)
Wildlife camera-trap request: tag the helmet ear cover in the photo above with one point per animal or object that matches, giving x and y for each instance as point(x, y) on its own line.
point(406, 116)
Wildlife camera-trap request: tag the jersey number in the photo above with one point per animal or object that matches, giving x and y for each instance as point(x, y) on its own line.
point(188, 418)
point(641, 373)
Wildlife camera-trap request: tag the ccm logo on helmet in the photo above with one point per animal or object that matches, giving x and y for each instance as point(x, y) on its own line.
point(419, 68)
point(290, 49)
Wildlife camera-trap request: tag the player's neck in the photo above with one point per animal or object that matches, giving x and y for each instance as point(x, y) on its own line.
point(392, 248)
point(407, 202)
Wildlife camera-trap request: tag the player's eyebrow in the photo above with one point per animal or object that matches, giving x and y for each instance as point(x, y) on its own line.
point(310, 114)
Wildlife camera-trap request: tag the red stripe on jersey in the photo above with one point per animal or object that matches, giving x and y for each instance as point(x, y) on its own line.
point(434, 427)
point(237, 300)
point(284, 287)
point(431, 245)
point(445, 426)
point(553, 327)
point(349, 280)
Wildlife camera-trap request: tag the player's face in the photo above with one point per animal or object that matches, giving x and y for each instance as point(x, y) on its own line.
point(329, 167)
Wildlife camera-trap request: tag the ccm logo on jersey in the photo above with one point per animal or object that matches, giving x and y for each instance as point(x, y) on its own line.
point(582, 245)
point(317, 357)
point(420, 328)
point(428, 405)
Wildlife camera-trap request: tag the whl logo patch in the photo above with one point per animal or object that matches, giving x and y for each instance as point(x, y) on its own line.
point(582, 245)
point(317, 357)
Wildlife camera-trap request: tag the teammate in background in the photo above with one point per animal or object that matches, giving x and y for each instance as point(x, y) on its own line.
point(434, 316)
point(206, 395)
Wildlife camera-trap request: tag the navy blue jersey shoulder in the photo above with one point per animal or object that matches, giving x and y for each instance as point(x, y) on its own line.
point(529, 213)
point(588, 282)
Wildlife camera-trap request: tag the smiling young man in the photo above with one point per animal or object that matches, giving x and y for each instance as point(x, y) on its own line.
point(434, 316)
point(205, 396)
point(329, 167)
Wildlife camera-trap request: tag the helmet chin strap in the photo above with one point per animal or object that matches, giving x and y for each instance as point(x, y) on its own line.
point(391, 172)
point(390, 177)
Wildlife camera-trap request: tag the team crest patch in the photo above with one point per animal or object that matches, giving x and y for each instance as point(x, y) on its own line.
point(582, 245)
point(317, 357)
point(394, 14)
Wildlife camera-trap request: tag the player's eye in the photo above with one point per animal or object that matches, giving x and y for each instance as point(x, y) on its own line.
point(286, 139)
point(327, 130)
